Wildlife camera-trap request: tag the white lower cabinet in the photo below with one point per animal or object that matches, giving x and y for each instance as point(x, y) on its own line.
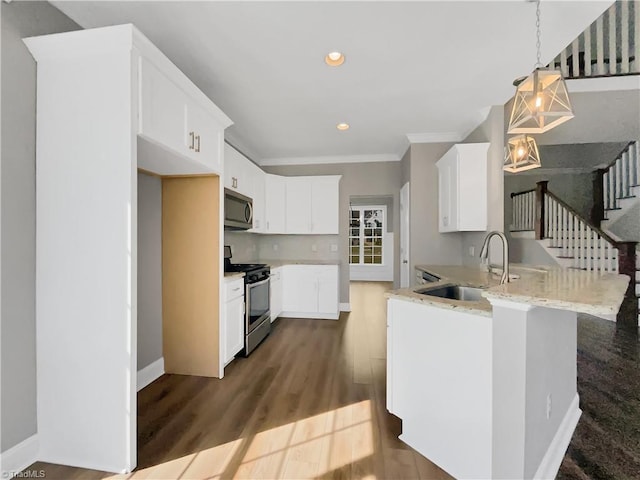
point(276, 292)
point(310, 291)
point(233, 319)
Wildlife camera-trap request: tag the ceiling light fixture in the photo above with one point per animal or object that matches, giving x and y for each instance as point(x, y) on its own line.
point(334, 59)
point(342, 126)
point(541, 101)
point(521, 153)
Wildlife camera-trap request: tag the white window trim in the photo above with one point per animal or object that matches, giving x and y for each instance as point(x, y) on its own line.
point(361, 236)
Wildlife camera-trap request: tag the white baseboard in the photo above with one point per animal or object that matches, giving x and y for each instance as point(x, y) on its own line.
point(345, 307)
point(150, 373)
point(19, 457)
point(550, 464)
point(315, 316)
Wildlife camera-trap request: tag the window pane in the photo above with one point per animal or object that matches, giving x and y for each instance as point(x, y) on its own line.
point(377, 260)
point(377, 250)
point(368, 260)
point(355, 232)
point(368, 232)
point(355, 241)
point(377, 241)
point(355, 213)
point(377, 232)
point(355, 259)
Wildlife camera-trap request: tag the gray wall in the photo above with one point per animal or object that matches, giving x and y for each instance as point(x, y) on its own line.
point(244, 246)
point(627, 227)
point(429, 246)
point(366, 179)
point(17, 190)
point(491, 130)
point(149, 270)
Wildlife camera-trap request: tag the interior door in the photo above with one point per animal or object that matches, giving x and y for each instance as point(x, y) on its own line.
point(405, 265)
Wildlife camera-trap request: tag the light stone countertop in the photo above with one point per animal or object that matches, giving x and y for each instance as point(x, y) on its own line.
point(228, 276)
point(593, 293)
point(280, 263)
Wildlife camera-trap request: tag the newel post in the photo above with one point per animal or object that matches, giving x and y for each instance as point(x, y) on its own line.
point(541, 215)
point(628, 313)
point(597, 208)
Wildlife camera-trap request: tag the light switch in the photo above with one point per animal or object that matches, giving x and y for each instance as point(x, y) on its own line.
point(275, 247)
point(314, 248)
point(472, 251)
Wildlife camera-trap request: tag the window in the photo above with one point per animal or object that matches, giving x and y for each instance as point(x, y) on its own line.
point(366, 234)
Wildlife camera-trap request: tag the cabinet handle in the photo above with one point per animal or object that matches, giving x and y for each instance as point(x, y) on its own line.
point(198, 145)
point(192, 137)
point(234, 182)
point(235, 289)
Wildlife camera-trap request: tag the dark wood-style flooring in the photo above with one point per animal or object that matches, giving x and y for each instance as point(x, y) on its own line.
point(310, 403)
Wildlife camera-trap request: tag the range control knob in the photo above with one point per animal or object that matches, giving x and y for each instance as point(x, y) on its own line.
point(253, 278)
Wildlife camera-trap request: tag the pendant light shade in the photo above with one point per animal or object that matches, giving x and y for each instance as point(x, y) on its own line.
point(521, 153)
point(541, 103)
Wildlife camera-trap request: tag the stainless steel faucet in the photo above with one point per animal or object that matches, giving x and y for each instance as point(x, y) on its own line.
point(484, 254)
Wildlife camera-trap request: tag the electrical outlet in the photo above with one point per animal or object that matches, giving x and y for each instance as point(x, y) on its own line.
point(314, 248)
point(548, 406)
point(334, 247)
point(275, 247)
point(472, 251)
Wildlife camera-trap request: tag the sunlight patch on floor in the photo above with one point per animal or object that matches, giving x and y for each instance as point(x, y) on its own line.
point(307, 448)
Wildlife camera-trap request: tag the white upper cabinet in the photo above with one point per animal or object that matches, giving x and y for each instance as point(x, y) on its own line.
point(275, 204)
point(237, 171)
point(162, 111)
point(462, 188)
point(298, 208)
point(204, 142)
point(175, 116)
point(312, 204)
point(325, 197)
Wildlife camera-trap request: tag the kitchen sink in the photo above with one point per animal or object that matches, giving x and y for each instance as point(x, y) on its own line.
point(454, 292)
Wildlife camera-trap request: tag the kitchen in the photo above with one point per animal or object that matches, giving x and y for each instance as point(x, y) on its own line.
point(374, 179)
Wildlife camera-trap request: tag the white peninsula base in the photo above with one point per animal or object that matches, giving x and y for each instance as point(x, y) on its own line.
point(484, 394)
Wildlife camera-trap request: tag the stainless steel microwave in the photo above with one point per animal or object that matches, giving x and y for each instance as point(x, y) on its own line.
point(238, 211)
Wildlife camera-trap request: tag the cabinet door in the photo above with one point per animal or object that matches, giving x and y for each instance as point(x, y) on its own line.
point(235, 175)
point(203, 136)
point(234, 328)
point(448, 193)
point(257, 180)
point(276, 293)
point(300, 289)
point(327, 276)
point(162, 117)
point(298, 206)
point(324, 205)
point(275, 204)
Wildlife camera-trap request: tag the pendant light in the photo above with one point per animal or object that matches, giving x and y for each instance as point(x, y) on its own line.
point(521, 153)
point(541, 101)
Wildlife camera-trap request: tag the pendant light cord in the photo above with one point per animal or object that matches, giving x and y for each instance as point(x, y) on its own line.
point(538, 63)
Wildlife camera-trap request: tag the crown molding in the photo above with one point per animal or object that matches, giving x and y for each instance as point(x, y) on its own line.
point(603, 84)
point(434, 137)
point(385, 157)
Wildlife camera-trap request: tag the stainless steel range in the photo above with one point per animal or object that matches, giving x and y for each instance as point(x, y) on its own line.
point(257, 292)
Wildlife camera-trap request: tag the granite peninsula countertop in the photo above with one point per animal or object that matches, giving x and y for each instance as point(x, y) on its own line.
point(594, 293)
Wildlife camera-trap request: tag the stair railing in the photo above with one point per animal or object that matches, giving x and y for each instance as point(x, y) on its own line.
point(609, 46)
point(620, 177)
point(578, 240)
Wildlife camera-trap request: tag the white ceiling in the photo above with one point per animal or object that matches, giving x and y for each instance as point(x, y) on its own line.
point(431, 69)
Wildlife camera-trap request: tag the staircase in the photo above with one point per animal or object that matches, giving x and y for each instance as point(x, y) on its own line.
point(621, 187)
point(574, 241)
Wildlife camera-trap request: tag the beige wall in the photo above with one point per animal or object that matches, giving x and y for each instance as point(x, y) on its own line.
point(18, 213)
point(366, 179)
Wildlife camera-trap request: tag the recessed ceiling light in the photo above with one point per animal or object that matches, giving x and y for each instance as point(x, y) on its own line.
point(342, 126)
point(334, 59)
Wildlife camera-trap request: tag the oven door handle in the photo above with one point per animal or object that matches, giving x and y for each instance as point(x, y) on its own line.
point(257, 284)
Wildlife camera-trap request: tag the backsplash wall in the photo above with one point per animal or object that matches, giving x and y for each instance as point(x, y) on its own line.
point(250, 247)
point(244, 246)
